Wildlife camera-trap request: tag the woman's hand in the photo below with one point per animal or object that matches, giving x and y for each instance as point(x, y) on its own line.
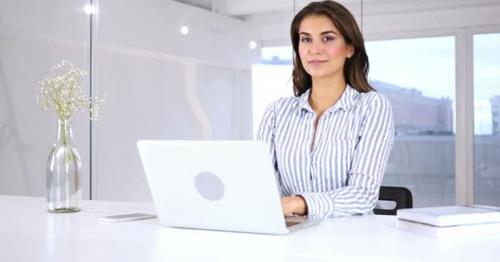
point(294, 205)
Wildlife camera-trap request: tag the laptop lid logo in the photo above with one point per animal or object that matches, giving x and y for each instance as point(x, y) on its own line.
point(209, 186)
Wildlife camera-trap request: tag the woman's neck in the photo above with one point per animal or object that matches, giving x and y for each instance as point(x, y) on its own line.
point(325, 92)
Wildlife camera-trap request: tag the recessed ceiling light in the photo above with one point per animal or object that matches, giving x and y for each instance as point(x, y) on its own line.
point(89, 9)
point(184, 30)
point(252, 44)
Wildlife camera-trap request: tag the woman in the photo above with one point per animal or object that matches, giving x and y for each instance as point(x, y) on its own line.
point(330, 143)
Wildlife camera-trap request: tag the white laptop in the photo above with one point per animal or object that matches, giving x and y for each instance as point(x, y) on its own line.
point(217, 185)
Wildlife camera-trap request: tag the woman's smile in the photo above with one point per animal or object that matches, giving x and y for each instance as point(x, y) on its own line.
point(317, 62)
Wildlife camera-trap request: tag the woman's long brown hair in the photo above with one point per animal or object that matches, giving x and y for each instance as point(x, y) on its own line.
point(355, 68)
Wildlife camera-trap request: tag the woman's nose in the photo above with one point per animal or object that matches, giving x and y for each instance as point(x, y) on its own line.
point(315, 48)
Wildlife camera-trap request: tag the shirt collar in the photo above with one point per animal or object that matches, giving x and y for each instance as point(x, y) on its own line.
point(304, 102)
point(345, 102)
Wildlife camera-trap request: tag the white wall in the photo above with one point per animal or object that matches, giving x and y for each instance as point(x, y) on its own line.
point(164, 85)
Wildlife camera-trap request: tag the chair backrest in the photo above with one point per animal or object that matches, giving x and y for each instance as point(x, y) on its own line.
point(401, 196)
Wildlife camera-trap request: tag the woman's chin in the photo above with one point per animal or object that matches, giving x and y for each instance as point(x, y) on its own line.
point(318, 74)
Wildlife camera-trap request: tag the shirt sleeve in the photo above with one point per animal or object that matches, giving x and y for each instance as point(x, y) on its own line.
point(367, 168)
point(266, 133)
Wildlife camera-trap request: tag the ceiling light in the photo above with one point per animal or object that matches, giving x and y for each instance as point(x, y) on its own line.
point(89, 9)
point(252, 44)
point(184, 30)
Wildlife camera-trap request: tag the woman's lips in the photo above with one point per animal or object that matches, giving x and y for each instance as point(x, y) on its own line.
point(317, 62)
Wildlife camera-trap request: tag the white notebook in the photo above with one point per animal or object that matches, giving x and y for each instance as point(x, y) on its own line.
point(455, 232)
point(451, 215)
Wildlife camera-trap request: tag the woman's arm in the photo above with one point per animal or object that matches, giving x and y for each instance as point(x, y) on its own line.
point(266, 133)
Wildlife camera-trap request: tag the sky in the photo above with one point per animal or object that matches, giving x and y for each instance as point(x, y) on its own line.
point(426, 64)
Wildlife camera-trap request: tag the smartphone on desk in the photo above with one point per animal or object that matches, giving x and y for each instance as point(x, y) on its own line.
point(126, 217)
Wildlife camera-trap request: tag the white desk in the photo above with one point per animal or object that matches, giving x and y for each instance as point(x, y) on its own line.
point(29, 233)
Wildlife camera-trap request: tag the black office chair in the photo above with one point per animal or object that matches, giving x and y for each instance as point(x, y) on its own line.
point(400, 195)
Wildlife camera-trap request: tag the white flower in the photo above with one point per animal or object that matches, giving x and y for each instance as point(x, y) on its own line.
point(62, 92)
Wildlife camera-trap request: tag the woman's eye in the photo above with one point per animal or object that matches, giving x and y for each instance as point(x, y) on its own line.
point(305, 39)
point(328, 38)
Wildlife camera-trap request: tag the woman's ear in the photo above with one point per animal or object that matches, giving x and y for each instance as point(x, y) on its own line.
point(350, 51)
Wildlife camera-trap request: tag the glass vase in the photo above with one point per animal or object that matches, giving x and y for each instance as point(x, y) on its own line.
point(64, 166)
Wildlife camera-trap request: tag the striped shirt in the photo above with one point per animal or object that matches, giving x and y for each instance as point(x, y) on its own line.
point(341, 173)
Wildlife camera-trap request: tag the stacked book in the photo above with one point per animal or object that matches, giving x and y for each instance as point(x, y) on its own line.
point(450, 221)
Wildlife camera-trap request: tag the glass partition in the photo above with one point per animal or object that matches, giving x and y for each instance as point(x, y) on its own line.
point(35, 36)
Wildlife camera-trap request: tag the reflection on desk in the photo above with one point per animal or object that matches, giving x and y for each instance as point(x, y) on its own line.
point(29, 233)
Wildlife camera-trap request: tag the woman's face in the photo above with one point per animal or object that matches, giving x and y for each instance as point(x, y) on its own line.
point(322, 49)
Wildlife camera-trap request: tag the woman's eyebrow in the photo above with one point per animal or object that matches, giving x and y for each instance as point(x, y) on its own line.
point(322, 33)
point(329, 32)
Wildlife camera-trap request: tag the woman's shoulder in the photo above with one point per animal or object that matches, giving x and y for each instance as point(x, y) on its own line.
point(283, 104)
point(276, 110)
point(374, 98)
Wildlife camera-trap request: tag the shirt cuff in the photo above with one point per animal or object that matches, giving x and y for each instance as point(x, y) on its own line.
point(318, 204)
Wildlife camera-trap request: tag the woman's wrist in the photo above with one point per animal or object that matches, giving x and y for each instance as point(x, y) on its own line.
point(300, 206)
